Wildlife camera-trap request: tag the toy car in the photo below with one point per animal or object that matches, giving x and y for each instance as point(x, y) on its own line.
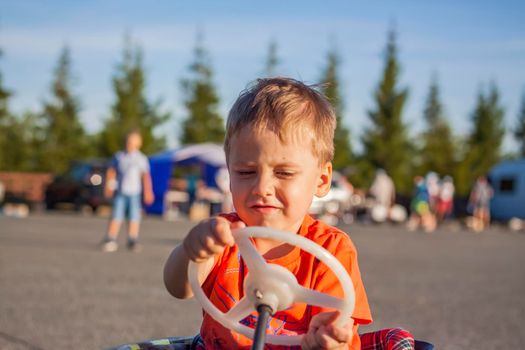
point(269, 288)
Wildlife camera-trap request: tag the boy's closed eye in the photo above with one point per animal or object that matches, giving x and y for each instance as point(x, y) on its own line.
point(278, 173)
point(284, 173)
point(245, 172)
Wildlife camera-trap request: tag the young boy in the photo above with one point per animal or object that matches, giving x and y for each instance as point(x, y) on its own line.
point(279, 147)
point(127, 181)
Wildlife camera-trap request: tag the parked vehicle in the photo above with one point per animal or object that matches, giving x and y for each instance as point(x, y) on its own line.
point(337, 199)
point(82, 185)
point(508, 182)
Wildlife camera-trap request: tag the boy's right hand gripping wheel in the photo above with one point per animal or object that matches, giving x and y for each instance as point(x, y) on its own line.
point(274, 285)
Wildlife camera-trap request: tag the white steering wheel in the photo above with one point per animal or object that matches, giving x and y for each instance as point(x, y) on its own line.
point(274, 285)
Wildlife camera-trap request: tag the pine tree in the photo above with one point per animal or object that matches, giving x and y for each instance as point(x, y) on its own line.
point(385, 142)
point(272, 60)
point(487, 135)
point(519, 133)
point(5, 122)
point(203, 122)
point(131, 109)
point(331, 89)
point(483, 145)
point(26, 143)
point(438, 149)
point(19, 136)
point(65, 138)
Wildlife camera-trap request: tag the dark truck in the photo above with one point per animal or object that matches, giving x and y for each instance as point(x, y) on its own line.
point(82, 185)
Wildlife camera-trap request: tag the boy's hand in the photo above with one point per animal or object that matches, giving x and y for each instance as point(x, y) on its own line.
point(149, 197)
point(108, 192)
point(210, 237)
point(323, 333)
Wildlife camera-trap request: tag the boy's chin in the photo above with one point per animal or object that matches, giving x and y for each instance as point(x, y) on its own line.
point(273, 225)
point(263, 223)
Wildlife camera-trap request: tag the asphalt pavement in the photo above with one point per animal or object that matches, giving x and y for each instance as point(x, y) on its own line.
point(454, 288)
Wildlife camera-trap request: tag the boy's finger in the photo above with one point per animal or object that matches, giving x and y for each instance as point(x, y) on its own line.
point(237, 224)
point(324, 318)
point(199, 254)
point(308, 341)
point(191, 251)
point(334, 316)
point(209, 245)
point(222, 232)
point(324, 341)
point(340, 334)
point(234, 226)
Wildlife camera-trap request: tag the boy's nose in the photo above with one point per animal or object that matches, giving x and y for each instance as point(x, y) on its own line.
point(263, 186)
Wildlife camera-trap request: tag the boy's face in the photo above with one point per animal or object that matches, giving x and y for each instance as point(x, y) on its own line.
point(133, 142)
point(273, 183)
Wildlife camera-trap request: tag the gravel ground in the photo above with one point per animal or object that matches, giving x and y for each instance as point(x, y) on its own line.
point(454, 288)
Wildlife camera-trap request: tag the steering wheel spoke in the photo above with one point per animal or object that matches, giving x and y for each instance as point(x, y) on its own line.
point(313, 297)
point(250, 255)
point(240, 310)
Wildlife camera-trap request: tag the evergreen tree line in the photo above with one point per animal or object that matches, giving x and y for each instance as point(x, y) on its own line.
point(48, 140)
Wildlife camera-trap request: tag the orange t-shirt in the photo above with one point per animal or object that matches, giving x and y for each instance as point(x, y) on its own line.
point(224, 287)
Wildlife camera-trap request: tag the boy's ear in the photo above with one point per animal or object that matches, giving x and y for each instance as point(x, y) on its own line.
point(325, 180)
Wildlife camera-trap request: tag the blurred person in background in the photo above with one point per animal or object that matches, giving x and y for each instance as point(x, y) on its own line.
point(2, 192)
point(445, 202)
point(383, 189)
point(432, 182)
point(193, 184)
point(479, 202)
point(420, 214)
point(383, 193)
point(2, 195)
point(127, 181)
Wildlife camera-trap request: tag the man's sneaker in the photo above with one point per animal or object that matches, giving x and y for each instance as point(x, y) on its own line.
point(109, 246)
point(134, 246)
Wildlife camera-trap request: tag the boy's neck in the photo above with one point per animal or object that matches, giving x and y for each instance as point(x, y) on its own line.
point(271, 249)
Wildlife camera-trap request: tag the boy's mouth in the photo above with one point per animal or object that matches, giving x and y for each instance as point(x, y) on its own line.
point(264, 208)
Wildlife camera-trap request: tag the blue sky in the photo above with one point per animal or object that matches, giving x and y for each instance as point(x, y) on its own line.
point(468, 44)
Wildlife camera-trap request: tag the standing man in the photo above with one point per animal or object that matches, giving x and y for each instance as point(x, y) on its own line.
point(383, 189)
point(479, 201)
point(127, 180)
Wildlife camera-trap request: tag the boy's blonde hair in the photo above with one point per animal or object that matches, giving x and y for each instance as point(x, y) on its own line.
point(287, 107)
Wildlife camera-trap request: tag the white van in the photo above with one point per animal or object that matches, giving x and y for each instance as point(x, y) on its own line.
point(338, 197)
point(508, 181)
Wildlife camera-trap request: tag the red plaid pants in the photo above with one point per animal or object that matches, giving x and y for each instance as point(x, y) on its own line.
point(387, 339)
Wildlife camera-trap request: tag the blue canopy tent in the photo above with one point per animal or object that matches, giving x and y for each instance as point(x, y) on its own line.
point(209, 156)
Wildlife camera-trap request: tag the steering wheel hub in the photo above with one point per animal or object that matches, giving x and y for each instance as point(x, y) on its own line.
point(276, 290)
